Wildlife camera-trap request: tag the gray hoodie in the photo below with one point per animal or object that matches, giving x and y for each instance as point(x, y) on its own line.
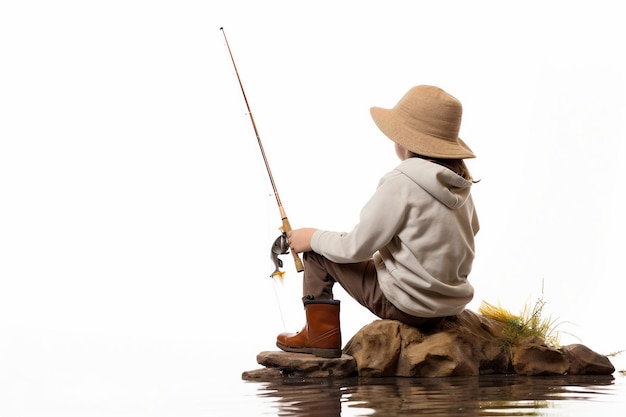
point(419, 227)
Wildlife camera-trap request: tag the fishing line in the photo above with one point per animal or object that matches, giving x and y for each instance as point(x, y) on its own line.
point(280, 310)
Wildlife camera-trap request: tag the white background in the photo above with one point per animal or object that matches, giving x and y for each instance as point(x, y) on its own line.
point(136, 216)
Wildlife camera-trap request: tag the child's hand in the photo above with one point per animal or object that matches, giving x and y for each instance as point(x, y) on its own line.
point(300, 239)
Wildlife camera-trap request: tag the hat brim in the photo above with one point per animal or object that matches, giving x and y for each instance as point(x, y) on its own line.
point(416, 141)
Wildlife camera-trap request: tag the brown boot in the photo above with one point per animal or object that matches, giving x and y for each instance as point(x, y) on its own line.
point(321, 335)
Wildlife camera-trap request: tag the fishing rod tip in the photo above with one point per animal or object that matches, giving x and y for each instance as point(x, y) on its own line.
point(221, 27)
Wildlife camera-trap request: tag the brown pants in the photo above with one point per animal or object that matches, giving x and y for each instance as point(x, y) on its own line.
point(360, 281)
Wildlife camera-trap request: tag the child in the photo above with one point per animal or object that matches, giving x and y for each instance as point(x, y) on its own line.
point(409, 256)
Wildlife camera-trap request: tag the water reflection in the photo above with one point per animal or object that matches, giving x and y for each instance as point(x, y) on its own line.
point(493, 395)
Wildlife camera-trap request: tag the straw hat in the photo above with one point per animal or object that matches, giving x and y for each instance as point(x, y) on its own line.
point(425, 121)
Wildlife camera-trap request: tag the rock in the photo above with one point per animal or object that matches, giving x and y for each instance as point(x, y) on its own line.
point(304, 365)
point(461, 345)
point(584, 361)
point(376, 351)
point(464, 345)
point(537, 359)
point(262, 374)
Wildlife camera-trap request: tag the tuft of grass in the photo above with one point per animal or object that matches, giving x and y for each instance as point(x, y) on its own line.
point(613, 354)
point(529, 323)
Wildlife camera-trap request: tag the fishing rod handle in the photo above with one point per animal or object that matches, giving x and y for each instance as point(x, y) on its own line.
point(297, 261)
point(296, 258)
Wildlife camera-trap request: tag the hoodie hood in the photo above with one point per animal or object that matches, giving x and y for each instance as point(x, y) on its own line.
point(443, 184)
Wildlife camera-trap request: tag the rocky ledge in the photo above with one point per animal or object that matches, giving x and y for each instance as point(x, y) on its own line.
point(465, 345)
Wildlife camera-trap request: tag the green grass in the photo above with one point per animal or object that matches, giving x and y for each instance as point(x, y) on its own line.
point(529, 323)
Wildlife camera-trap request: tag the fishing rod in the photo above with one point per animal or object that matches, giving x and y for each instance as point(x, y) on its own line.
point(286, 226)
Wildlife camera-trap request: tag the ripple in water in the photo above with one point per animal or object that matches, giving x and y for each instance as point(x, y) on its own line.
point(492, 395)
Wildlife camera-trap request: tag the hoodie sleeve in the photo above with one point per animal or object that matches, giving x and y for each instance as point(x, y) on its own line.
point(379, 220)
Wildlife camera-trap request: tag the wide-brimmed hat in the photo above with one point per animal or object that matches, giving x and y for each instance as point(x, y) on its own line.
point(425, 121)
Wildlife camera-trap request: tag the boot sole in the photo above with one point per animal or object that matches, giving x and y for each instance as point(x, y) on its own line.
point(322, 353)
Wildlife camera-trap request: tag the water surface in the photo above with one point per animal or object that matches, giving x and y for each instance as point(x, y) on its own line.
point(493, 395)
